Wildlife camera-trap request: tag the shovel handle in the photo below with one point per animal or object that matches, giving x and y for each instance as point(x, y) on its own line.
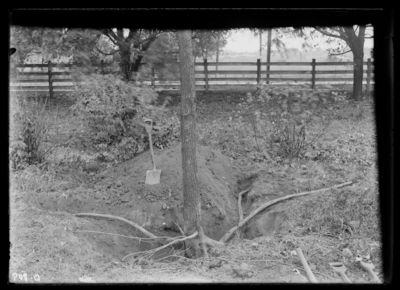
point(373, 275)
point(151, 150)
point(310, 274)
point(345, 278)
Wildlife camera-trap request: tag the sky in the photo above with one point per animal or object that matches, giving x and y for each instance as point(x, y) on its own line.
point(244, 40)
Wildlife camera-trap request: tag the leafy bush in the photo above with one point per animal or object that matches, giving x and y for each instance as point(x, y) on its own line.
point(28, 129)
point(111, 112)
point(281, 117)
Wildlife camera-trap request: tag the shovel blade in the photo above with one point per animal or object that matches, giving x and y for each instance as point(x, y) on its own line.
point(153, 176)
point(338, 267)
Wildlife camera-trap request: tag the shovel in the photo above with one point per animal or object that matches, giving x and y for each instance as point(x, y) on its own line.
point(152, 176)
point(340, 269)
point(303, 260)
point(369, 268)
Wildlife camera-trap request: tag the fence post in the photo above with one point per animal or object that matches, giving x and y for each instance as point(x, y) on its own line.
point(369, 76)
point(50, 79)
point(153, 75)
point(313, 74)
point(258, 71)
point(206, 73)
point(102, 67)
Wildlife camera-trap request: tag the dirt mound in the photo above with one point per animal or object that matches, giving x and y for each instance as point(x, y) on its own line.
point(159, 207)
point(121, 191)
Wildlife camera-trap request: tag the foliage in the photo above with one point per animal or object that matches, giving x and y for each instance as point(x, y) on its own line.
point(329, 213)
point(163, 57)
point(111, 113)
point(282, 117)
point(207, 43)
point(28, 131)
point(30, 41)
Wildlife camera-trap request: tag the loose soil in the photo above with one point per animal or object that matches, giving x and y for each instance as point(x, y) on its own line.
point(121, 191)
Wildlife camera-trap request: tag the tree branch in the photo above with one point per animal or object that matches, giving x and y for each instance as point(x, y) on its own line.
point(110, 36)
point(120, 33)
point(103, 52)
point(339, 53)
point(329, 34)
point(336, 30)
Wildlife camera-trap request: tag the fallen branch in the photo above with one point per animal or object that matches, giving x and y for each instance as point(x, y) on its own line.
point(147, 240)
point(165, 246)
point(269, 203)
point(150, 235)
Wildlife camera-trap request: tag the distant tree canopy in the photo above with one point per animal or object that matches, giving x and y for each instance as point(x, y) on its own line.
point(206, 44)
point(128, 48)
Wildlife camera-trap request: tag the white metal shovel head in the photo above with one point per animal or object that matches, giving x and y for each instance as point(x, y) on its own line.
point(153, 176)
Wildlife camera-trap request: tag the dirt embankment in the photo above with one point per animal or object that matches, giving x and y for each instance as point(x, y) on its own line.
point(121, 191)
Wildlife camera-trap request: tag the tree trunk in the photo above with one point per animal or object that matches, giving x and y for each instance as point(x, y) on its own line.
point(217, 58)
point(124, 63)
point(269, 51)
point(356, 43)
point(129, 67)
point(358, 78)
point(191, 198)
point(260, 43)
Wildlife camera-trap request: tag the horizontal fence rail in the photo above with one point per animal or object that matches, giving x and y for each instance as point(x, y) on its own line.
point(56, 77)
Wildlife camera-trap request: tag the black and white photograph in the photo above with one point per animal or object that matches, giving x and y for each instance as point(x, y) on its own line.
point(200, 146)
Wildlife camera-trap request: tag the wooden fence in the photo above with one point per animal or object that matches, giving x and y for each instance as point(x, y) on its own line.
point(57, 77)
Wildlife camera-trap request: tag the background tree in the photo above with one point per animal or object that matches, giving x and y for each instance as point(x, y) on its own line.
point(191, 197)
point(354, 38)
point(36, 41)
point(132, 46)
point(126, 46)
point(163, 56)
point(208, 43)
point(345, 39)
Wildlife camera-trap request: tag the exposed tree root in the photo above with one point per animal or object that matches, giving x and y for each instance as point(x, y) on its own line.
point(150, 235)
point(165, 246)
point(212, 243)
point(226, 237)
point(204, 240)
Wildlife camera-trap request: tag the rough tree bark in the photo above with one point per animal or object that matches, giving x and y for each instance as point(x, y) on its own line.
point(357, 46)
point(191, 197)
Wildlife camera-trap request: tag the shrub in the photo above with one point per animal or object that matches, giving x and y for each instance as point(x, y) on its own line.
point(111, 112)
point(282, 116)
point(28, 129)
